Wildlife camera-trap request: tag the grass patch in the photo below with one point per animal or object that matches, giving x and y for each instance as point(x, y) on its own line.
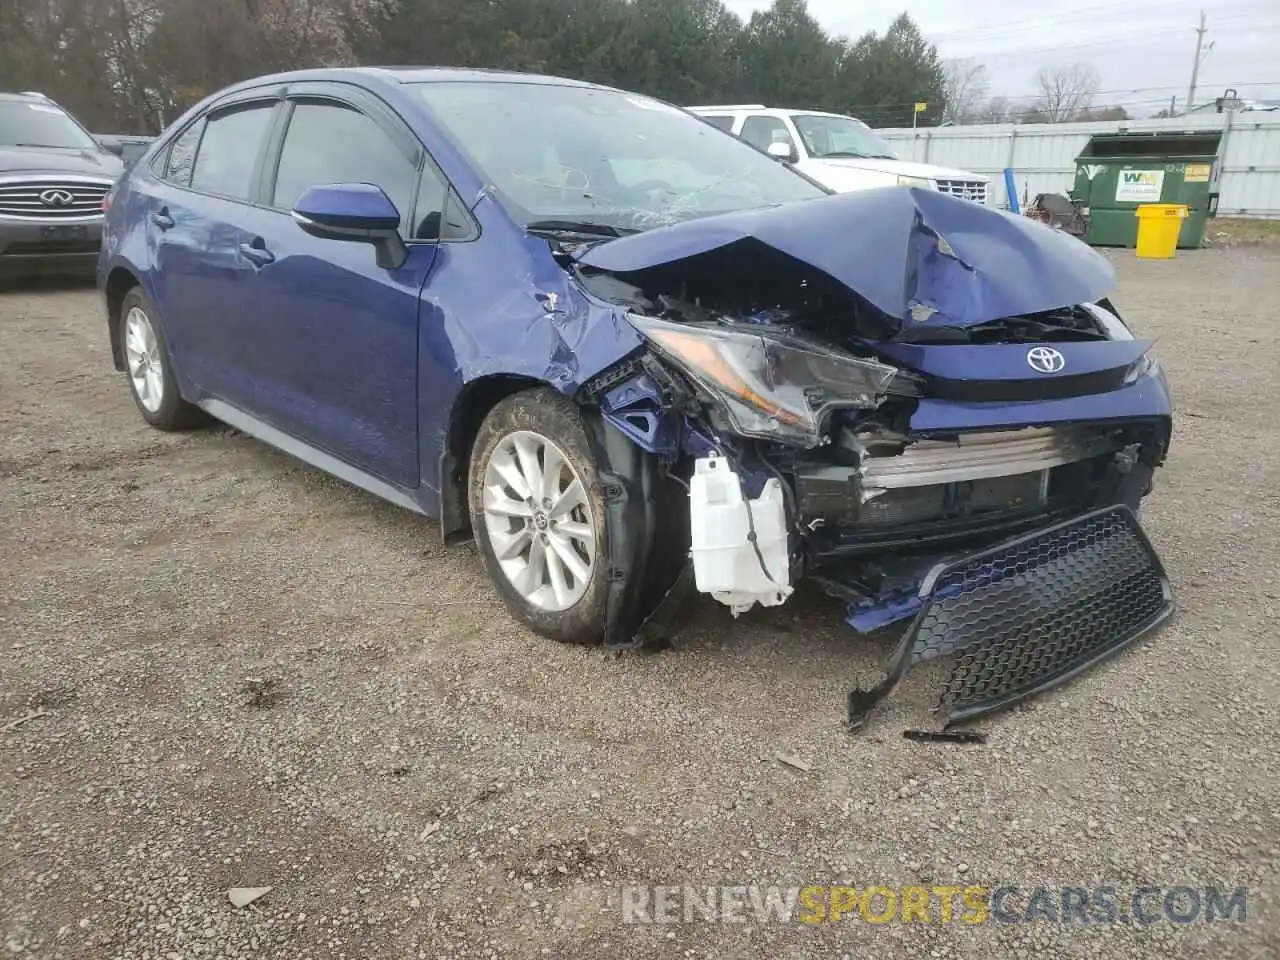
point(1239, 230)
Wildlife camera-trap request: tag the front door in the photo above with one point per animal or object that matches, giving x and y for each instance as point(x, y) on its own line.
point(336, 336)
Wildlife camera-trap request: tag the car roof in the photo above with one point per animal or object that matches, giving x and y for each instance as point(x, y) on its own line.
point(412, 74)
point(24, 97)
point(474, 75)
point(767, 111)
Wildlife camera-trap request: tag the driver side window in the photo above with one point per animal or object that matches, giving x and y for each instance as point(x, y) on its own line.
point(761, 131)
point(329, 142)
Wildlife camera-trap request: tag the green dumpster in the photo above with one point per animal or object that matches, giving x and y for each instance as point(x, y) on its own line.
point(1119, 172)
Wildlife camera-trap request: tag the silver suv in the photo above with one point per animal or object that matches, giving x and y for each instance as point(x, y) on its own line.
point(54, 177)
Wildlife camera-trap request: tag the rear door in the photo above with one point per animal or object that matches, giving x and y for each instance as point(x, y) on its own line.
point(198, 213)
point(335, 342)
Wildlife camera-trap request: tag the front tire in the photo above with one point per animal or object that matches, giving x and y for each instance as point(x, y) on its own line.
point(537, 510)
point(149, 367)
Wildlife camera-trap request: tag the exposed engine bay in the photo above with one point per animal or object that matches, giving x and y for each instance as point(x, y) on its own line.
point(836, 428)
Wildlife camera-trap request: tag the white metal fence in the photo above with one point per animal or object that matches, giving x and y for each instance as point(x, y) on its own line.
point(1043, 155)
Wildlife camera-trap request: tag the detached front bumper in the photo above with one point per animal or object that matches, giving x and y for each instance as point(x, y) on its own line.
point(1028, 614)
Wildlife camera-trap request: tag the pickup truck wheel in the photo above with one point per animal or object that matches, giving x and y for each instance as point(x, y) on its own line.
point(538, 515)
point(150, 368)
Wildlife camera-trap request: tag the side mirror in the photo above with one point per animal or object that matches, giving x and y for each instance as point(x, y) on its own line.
point(353, 211)
point(781, 151)
point(112, 145)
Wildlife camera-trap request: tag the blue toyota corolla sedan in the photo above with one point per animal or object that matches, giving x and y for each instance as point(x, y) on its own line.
point(636, 358)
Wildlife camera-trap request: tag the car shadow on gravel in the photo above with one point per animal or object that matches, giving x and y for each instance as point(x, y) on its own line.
point(57, 283)
point(804, 641)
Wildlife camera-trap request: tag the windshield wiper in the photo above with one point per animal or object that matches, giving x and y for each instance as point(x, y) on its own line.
point(47, 146)
point(588, 228)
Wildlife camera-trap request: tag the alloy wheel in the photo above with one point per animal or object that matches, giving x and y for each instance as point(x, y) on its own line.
point(142, 354)
point(538, 521)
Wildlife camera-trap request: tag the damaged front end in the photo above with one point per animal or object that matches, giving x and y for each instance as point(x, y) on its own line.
point(938, 418)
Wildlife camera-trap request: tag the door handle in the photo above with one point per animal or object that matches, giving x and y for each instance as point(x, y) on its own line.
point(257, 253)
point(162, 219)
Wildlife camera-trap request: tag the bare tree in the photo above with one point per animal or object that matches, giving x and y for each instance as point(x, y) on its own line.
point(965, 84)
point(1115, 112)
point(1066, 91)
point(996, 110)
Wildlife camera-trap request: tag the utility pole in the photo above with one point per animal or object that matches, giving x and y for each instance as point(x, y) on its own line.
point(1195, 66)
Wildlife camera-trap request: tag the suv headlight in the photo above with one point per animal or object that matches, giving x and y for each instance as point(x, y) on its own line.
point(768, 384)
point(922, 182)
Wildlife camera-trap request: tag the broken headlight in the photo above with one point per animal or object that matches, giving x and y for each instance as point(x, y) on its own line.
point(769, 385)
point(1145, 364)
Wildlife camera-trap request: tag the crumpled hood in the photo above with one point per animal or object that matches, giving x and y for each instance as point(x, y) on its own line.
point(916, 255)
point(89, 163)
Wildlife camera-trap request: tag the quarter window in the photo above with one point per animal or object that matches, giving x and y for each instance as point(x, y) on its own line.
point(182, 155)
point(719, 120)
point(228, 152)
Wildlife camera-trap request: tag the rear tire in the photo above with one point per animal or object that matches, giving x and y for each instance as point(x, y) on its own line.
point(149, 367)
point(538, 514)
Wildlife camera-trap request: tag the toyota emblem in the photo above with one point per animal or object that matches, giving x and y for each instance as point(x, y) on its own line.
point(57, 198)
point(1045, 360)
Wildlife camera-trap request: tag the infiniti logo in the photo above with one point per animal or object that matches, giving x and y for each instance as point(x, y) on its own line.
point(1045, 360)
point(57, 198)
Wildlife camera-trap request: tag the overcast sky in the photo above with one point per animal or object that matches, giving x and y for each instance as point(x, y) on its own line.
point(1143, 49)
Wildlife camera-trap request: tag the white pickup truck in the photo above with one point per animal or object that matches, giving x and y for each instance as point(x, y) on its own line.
point(841, 153)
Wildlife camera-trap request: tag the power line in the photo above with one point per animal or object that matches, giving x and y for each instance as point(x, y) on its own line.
point(1240, 25)
point(1145, 39)
point(1105, 94)
point(873, 114)
point(1089, 14)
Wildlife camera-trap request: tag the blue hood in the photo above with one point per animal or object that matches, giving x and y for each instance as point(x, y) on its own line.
point(916, 255)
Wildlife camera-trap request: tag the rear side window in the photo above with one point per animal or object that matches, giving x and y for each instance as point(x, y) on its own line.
point(182, 155)
point(723, 122)
point(229, 150)
point(334, 143)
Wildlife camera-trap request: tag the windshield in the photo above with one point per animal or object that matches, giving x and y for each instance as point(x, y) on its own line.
point(24, 123)
point(581, 154)
point(839, 137)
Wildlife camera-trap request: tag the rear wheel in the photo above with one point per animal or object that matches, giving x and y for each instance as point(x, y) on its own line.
point(149, 367)
point(538, 514)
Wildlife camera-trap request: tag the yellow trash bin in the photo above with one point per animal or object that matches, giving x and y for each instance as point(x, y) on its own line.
point(1158, 227)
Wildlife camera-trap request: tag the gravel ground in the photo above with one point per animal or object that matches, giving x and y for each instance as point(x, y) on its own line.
point(244, 673)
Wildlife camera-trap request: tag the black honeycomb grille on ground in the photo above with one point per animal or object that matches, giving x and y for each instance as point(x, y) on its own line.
point(1031, 613)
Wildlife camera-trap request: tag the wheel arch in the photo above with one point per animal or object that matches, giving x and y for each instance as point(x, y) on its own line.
point(119, 282)
point(633, 484)
point(473, 403)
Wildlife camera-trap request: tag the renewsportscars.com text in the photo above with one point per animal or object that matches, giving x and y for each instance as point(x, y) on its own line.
point(972, 904)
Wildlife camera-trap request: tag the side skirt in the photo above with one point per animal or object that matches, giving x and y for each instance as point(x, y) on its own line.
point(247, 423)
